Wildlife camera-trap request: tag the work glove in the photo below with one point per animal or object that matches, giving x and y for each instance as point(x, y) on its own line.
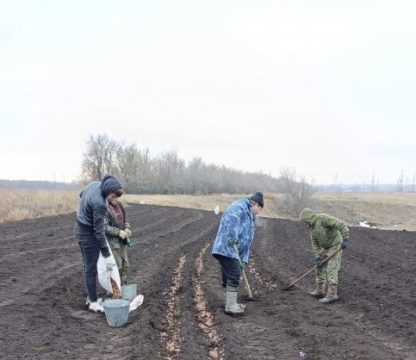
point(318, 262)
point(109, 264)
point(232, 242)
point(127, 242)
point(243, 265)
point(122, 234)
point(128, 231)
point(345, 243)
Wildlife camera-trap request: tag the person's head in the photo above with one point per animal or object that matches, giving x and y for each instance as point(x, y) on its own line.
point(257, 202)
point(111, 188)
point(307, 216)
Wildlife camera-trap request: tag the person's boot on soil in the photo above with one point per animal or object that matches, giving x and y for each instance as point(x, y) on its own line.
point(331, 295)
point(231, 306)
point(319, 291)
point(88, 301)
point(95, 307)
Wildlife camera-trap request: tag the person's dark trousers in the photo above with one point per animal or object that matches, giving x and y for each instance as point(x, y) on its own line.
point(230, 270)
point(90, 253)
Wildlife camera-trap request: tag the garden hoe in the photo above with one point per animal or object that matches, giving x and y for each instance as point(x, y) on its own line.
point(250, 295)
point(309, 271)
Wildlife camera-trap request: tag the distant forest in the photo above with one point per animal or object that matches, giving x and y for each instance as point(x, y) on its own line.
point(166, 173)
point(37, 185)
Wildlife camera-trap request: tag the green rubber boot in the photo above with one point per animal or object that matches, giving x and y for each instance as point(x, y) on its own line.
point(331, 295)
point(231, 306)
point(319, 291)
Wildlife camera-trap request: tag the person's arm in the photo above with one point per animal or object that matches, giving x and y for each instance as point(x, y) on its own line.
point(339, 225)
point(110, 230)
point(248, 229)
point(126, 223)
point(316, 248)
point(233, 219)
point(99, 212)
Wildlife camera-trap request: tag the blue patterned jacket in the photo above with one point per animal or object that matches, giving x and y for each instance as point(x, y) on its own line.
point(237, 223)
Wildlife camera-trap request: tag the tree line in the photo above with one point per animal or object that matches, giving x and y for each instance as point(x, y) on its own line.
point(142, 173)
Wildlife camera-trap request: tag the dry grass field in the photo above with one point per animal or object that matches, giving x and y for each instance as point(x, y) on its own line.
point(395, 211)
point(29, 204)
point(203, 202)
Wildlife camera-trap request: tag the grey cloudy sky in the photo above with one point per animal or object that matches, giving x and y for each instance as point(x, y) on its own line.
point(325, 87)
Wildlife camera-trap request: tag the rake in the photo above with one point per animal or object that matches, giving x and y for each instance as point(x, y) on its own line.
point(309, 271)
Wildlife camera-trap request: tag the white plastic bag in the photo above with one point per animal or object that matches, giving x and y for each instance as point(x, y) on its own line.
point(104, 276)
point(137, 301)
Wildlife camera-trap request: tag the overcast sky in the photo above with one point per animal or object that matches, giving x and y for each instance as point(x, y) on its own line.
point(324, 87)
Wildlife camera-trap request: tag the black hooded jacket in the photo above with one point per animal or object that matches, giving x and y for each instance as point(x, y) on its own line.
point(92, 210)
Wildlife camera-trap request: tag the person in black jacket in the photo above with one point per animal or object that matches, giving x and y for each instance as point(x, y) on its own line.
point(90, 232)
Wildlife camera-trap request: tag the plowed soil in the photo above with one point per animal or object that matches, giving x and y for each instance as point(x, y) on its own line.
point(42, 313)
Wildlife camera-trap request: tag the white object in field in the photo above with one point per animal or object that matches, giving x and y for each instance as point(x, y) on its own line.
point(104, 276)
point(137, 301)
point(367, 225)
point(142, 202)
point(217, 209)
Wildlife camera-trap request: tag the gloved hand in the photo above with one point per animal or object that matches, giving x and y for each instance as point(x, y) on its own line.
point(318, 262)
point(127, 242)
point(128, 231)
point(345, 243)
point(122, 234)
point(232, 242)
point(243, 265)
point(109, 264)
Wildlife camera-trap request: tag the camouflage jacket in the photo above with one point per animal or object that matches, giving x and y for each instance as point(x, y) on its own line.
point(326, 231)
point(113, 227)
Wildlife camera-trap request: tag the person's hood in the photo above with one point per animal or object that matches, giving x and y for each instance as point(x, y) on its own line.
point(109, 184)
point(307, 215)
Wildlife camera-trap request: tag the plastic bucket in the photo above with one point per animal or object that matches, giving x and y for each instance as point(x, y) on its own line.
point(129, 292)
point(116, 311)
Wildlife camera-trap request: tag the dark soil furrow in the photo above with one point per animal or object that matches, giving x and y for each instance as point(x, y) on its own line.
point(42, 296)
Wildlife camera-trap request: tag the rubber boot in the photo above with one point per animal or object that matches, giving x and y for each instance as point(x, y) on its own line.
point(231, 306)
point(331, 295)
point(319, 291)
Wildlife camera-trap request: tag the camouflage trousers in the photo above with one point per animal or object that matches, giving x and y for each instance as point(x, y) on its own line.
point(328, 273)
point(122, 261)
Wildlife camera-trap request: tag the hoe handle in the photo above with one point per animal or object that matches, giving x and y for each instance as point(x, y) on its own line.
point(250, 295)
point(314, 268)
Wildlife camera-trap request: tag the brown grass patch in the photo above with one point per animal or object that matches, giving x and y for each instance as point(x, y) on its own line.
point(29, 204)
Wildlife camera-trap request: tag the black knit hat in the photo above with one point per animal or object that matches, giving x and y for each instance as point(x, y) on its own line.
point(258, 198)
point(109, 184)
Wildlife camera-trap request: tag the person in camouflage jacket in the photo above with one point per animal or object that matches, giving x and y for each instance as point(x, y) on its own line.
point(328, 234)
point(118, 232)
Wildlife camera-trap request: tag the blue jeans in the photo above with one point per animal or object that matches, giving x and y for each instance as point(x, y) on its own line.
point(230, 270)
point(90, 253)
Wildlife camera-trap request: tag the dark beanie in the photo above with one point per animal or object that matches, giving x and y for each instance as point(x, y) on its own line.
point(258, 198)
point(109, 184)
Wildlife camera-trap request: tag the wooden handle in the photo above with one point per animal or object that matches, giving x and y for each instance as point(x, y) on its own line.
point(250, 295)
point(315, 267)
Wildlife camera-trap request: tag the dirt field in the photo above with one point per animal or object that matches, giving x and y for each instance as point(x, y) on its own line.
point(42, 295)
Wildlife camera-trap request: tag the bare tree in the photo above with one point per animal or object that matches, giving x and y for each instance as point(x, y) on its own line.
point(166, 173)
point(297, 193)
point(400, 182)
point(99, 159)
